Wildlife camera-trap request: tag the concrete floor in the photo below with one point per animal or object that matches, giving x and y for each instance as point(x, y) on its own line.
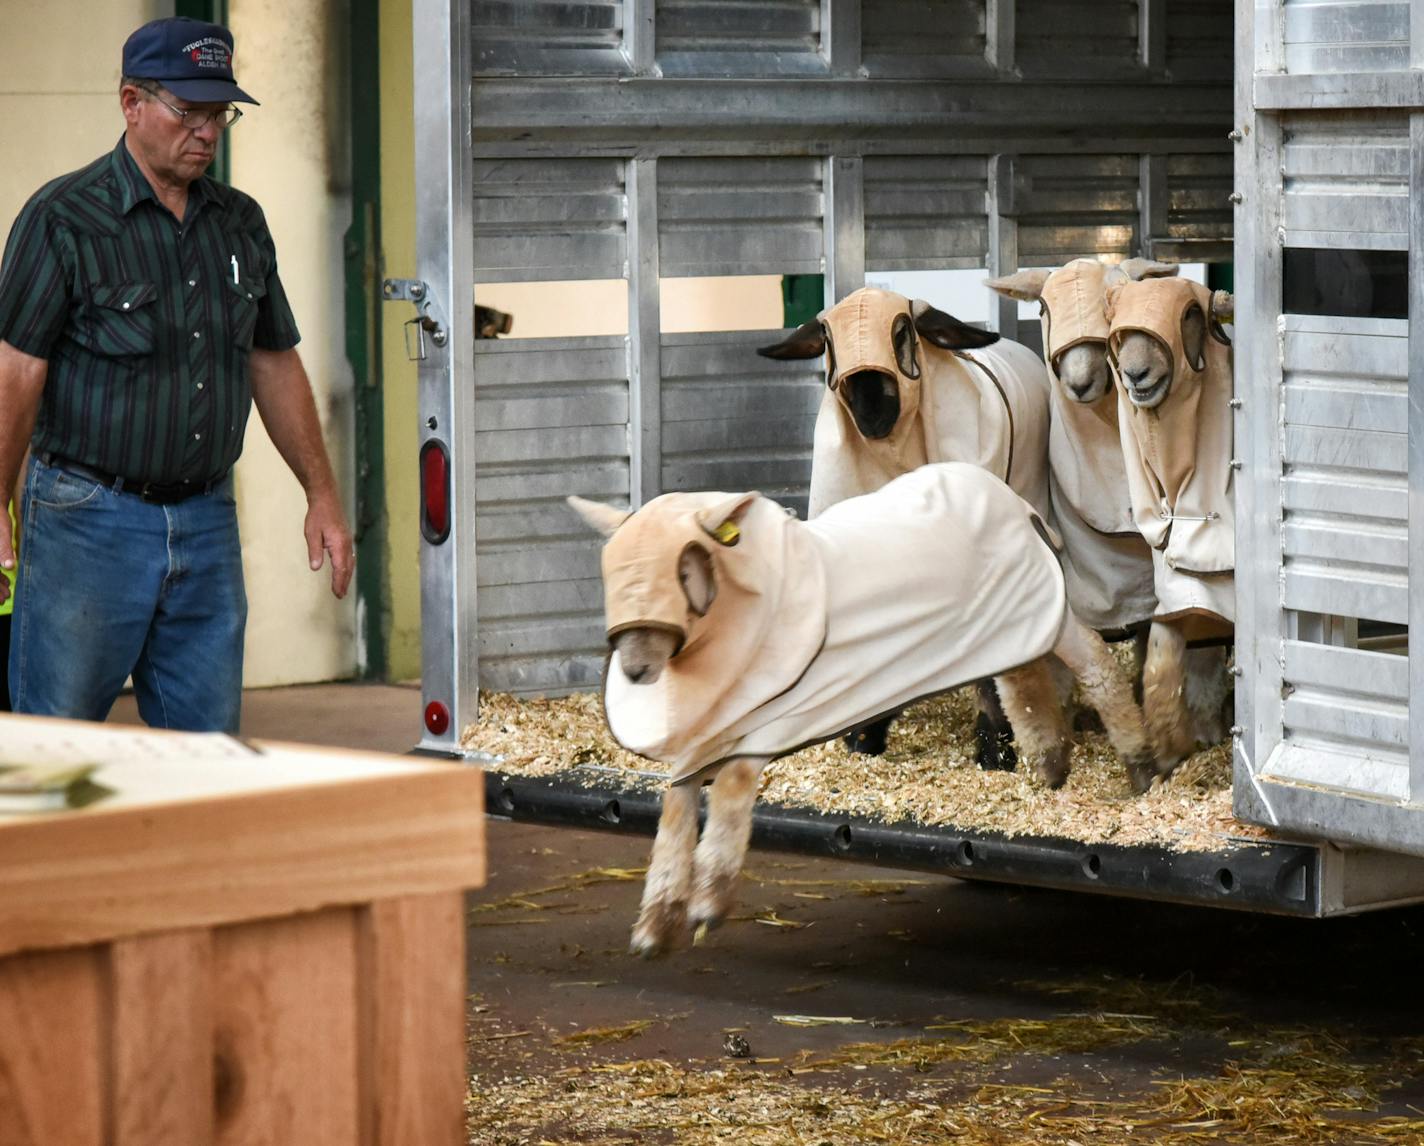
point(901, 953)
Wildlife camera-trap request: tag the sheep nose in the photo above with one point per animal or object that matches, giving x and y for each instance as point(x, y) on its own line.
point(635, 673)
point(1135, 378)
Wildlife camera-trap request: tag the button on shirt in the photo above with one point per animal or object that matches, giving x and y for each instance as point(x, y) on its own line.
point(146, 323)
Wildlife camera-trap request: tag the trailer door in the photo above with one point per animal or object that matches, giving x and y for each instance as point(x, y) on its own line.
point(1330, 380)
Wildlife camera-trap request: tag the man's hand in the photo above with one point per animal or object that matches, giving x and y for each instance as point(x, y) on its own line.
point(326, 530)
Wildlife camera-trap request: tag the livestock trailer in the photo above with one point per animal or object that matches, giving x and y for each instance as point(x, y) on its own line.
point(635, 142)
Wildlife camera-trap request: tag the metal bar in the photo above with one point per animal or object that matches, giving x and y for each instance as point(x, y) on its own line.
point(1258, 369)
point(1245, 875)
point(1261, 34)
point(1152, 34)
point(999, 36)
point(640, 36)
point(645, 424)
point(1152, 203)
point(1416, 37)
point(609, 112)
point(1368, 90)
point(1416, 450)
point(840, 36)
point(1003, 242)
point(446, 392)
point(844, 227)
point(1348, 818)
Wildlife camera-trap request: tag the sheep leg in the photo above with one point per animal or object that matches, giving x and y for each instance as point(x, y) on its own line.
point(1109, 691)
point(869, 740)
point(669, 879)
point(1207, 687)
point(1031, 703)
point(1163, 696)
point(717, 862)
point(993, 734)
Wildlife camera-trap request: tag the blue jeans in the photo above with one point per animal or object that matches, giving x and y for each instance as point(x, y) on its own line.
point(112, 586)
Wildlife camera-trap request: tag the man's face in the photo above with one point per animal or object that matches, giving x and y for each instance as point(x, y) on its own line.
point(161, 138)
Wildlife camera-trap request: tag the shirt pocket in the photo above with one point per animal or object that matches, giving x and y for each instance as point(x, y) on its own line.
point(244, 300)
point(122, 320)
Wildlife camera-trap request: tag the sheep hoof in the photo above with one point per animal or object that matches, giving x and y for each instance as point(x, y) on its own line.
point(869, 740)
point(994, 750)
point(1052, 767)
point(1141, 771)
point(645, 946)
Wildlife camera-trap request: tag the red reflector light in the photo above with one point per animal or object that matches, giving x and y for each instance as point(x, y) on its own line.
point(434, 492)
point(437, 718)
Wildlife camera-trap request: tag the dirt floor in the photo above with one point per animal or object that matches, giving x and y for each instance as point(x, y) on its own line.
point(848, 1004)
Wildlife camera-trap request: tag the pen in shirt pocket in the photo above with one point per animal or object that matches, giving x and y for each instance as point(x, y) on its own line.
point(234, 271)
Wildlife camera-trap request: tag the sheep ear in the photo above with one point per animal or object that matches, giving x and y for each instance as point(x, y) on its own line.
point(1026, 286)
point(1223, 313)
point(1138, 269)
point(699, 584)
point(722, 521)
point(1110, 300)
point(600, 518)
point(807, 341)
point(946, 331)
point(1194, 323)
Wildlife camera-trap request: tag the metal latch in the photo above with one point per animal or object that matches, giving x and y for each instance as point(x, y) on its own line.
point(429, 316)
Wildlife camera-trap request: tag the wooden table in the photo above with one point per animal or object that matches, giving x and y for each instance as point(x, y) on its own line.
point(246, 944)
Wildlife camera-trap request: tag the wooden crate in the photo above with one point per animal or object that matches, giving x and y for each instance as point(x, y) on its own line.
point(238, 948)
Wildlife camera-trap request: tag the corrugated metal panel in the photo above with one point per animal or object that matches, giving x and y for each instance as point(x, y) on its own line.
point(1346, 180)
point(1087, 38)
point(1075, 205)
point(734, 421)
point(923, 38)
point(1200, 39)
point(739, 216)
point(1344, 534)
point(926, 212)
point(547, 37)
point(1351, 700)
point(1198, 207)
point(545, 219)
point(739, 37)
point(551, 419)
point(1349, 36)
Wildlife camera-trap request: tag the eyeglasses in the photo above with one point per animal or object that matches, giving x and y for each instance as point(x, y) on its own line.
point(194, 119)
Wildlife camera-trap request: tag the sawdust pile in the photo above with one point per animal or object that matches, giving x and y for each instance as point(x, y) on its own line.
point(928, 775)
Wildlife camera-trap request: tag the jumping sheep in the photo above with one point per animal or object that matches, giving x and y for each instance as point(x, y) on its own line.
point(740, 634)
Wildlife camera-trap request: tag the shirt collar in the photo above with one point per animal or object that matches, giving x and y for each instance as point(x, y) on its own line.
point(134, 186)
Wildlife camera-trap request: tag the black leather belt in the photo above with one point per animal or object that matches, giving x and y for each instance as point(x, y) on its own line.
point(157, 492)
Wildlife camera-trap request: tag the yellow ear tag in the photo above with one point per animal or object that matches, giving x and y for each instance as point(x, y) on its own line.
point(727, 533)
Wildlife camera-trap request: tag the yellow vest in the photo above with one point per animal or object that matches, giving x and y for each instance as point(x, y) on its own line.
point(9, 605)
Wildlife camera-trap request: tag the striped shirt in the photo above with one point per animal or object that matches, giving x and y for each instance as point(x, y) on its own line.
point(146, 322)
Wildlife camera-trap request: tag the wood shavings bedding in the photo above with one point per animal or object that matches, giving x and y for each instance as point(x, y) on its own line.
point(928, 775)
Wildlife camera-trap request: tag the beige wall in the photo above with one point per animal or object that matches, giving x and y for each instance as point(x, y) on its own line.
point(59, 89)
point(290, 155)
point(402, 435)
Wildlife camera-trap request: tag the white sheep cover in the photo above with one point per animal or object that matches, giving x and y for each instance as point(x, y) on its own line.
point(940, 578)
point(1106, 563)
point(1179, 460)
point(987, 406)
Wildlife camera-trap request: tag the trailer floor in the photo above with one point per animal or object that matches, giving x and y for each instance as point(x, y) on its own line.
point(981, 1013)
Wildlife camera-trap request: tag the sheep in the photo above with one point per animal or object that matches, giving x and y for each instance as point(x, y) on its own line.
point(740, 634)
point(1173, 365)
point(1107, 564)
point(909, 384)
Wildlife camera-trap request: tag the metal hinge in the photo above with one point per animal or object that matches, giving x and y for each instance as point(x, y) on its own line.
point(429, 317)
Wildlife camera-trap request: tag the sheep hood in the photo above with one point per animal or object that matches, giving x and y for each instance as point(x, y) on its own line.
point(988, 406)
point(1178, 455)
point(942, 577)
point(1084, 443)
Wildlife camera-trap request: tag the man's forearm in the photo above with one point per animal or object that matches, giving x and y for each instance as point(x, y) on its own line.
point(22, 379)
point(283, 396)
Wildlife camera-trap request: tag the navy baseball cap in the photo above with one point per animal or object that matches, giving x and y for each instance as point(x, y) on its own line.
point(191, 58)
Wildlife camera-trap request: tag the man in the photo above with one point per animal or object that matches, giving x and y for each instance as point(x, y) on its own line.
point(141, 316)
